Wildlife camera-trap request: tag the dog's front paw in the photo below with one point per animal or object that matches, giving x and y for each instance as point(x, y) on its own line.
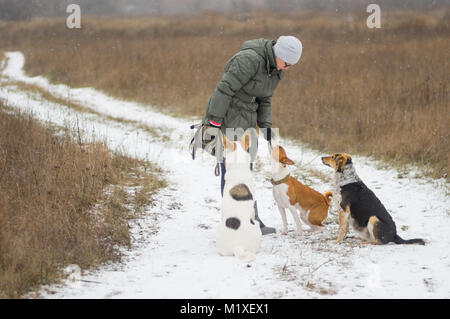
point(336, 242)
point(298, 234)
point(284, 232)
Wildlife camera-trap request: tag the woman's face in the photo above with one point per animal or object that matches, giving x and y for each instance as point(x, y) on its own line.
point(281, 65)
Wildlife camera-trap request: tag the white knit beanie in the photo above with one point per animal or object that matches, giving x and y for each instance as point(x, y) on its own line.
point(288, 48)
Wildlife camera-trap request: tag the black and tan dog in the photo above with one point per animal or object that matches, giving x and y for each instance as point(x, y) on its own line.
point(360, 207)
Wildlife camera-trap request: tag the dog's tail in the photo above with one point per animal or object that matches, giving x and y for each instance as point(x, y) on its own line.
point(328, 196)
point(398, 240)
point(242, 254)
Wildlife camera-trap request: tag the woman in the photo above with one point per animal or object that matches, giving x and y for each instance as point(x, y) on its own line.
point(242, 99)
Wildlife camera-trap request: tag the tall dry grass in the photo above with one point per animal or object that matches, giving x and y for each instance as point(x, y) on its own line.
point(54, 208)
point(380, 92)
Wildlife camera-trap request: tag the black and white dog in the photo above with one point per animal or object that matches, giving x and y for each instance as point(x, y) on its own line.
point(360, 207)
point(239, 233)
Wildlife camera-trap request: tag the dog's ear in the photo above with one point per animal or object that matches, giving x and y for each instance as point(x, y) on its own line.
point(270, 147)
point(287, 161)
point(246, 141)
point(341, 161)
point(228, 145)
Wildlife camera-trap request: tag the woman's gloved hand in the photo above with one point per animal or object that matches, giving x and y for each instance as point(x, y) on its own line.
point(210, 132)
point(267, 133)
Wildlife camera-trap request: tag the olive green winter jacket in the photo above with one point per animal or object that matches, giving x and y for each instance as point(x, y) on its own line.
point(242, 99)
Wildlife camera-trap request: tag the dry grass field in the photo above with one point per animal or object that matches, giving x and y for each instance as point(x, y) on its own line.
point(379, 92)
point(62, 201)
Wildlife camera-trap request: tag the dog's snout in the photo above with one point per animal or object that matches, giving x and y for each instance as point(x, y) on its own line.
point(326, 160)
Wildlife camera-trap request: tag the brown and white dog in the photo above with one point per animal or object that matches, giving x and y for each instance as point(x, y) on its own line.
point(291, 194)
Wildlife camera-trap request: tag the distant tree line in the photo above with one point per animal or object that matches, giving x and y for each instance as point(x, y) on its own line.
point(26, 9)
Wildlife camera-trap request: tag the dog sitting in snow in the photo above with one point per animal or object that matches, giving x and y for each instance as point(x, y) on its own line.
point(239, 233)
point(360, 207)
point(291, 194)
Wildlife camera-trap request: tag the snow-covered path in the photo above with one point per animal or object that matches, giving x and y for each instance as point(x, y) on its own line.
point(180, 260)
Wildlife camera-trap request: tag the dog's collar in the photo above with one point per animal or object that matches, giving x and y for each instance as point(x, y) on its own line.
point(348, 176)
point(281, 181)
